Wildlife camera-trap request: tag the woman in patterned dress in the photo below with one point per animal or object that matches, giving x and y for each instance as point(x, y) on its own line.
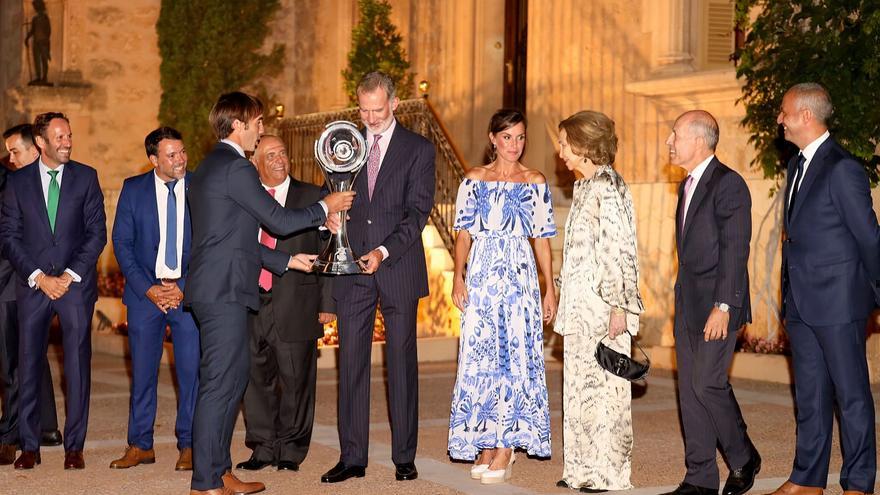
point(500, 398)
point(599, 298)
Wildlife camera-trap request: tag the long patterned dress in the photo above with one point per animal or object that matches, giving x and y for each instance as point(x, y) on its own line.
point(600, 270)
point(500, 395)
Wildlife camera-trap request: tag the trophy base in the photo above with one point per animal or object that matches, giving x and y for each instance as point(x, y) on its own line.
point(337, 267)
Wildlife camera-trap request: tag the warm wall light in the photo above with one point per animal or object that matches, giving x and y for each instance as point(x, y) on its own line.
point(279, 111)
point(423, 88)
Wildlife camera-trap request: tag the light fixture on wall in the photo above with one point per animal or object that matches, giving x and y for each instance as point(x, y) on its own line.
point(279, 111)
point(423, 88)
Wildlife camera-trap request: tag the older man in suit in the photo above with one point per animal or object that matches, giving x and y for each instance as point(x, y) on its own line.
point(228, 205)
point(279, 404)
point(395, 197)
point(151, 239)
point(22, 151)
point(830, 279)
point(713, 231)
point(53, 229)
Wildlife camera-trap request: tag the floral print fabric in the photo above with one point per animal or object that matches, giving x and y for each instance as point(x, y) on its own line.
point(500, 395)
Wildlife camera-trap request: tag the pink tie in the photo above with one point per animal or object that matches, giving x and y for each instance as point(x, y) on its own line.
point(684, 204)
point(373, 164)
point(268, 241)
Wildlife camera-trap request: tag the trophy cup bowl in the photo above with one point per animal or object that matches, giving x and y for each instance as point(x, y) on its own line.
point(341, 151)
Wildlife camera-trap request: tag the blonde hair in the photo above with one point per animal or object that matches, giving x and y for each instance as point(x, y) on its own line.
point(591, 135)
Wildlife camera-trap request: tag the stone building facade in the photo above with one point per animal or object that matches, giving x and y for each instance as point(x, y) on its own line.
point(641, 62)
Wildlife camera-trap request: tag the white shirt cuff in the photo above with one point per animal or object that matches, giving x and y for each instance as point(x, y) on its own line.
point(384, 252)
point(76, 278)
point(32, 279)
point(324, 206)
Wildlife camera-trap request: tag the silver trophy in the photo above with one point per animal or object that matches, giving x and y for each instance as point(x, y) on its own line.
point(342, 152)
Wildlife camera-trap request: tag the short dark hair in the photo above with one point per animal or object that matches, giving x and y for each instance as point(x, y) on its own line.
point(41, 122)
point(373, 80)
point(231, 107)
point(151, 142)
point(26, 131)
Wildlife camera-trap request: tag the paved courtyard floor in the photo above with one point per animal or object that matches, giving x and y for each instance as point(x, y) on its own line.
point(657, 460)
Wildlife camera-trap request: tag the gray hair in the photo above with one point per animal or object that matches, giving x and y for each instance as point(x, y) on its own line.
point(375, 80)
point(815, 98)
point(705, 126)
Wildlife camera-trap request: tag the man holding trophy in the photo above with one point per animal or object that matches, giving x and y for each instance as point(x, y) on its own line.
point(394, 197)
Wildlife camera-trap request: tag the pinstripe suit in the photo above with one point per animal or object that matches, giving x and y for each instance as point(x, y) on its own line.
point(402, 199)
point(713, 253)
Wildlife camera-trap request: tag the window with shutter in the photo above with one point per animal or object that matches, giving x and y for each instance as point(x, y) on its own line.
point(717, 33)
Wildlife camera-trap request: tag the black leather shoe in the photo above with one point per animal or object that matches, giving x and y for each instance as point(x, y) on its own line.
point(51, 438)
point(288, 466)
point(741, 480)
point(406, 471)
point(585, 489)
point(252, 465)
point(341, 472)
point(688, 489)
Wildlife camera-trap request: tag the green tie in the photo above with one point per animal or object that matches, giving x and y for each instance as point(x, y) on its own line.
point(52, 202)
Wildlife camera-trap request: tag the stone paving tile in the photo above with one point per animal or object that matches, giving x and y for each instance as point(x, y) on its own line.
point(657, 462)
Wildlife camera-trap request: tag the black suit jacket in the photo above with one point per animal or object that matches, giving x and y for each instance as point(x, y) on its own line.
point(80, 229)
point(7, 273)
point(713, 249)
point(832, 245)
point(227, 205)
point(298, 297)
point(402, 200)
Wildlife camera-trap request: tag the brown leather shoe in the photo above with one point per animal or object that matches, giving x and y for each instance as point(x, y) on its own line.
point(789, 488)
point(855, 492)
point(134, 456)
point(215, 491)
point(7, 454)
point(239, 487)
point(185, 461)
point(27, 460)
point(73, 459)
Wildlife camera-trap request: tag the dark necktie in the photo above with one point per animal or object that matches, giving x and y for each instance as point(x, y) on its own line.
point(795, 185)
point(171, 227)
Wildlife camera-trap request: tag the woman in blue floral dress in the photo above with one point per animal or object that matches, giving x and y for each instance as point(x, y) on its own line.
point(500, 398)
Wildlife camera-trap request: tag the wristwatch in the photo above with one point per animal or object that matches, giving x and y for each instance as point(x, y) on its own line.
point(722, 306)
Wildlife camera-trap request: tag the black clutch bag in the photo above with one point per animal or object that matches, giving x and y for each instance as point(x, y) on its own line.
point(621, 364)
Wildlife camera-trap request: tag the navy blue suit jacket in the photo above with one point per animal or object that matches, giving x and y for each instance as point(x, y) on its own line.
point(80, 229)
point(713, 249)
point(227, 204)
point(136, 238)
point(832, 245)
point(7, 273)
point(402, 200)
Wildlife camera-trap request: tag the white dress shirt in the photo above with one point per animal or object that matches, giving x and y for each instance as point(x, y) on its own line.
point(162, 270)
point(697, 174)
point(281, 191)
point(809, 152)
point(44, 182)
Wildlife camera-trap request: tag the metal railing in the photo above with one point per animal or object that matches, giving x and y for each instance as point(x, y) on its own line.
point(300, 132)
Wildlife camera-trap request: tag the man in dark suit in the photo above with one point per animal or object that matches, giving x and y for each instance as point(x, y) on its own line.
point(227, 205)
point(395, 196)
point(22, 151)
point(279, 403)
point(713, 230)
point(830, 277)
point(151, 238)
point(53, 229)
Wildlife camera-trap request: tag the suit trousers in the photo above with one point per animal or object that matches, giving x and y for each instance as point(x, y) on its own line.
point(279, 403)
point(9, 380)
point(146, 336)
point(35, 312)
point(829, 363)
point(357, 314)
point(223, 376)
point(710, 414)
